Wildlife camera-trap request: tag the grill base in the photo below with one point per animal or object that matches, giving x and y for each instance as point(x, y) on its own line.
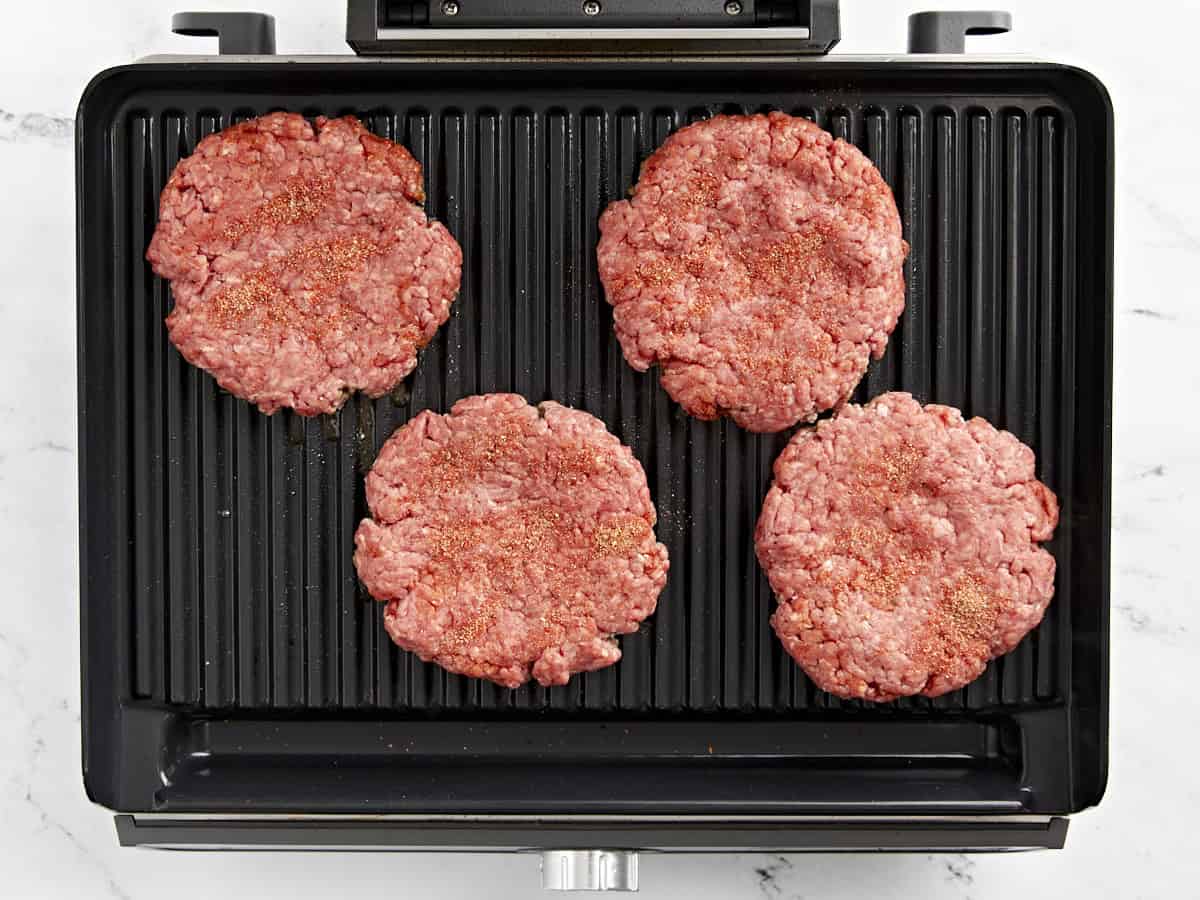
point(230, 655)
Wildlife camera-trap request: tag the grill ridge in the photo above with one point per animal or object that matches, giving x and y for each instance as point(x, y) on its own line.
point(982, 197)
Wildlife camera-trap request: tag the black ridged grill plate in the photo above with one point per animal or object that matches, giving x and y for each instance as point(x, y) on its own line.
point(217, 542)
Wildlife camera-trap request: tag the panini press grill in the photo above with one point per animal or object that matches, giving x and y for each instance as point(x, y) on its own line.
point(239, 689)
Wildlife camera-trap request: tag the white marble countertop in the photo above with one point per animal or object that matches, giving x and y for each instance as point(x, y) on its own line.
point(53, 843)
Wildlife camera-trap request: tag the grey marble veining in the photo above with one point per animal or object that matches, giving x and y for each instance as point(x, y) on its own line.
point(55, 844)
point(34, 127)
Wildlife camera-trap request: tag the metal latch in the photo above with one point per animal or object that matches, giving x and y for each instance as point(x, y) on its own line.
point(589, 870)
point(542, 28)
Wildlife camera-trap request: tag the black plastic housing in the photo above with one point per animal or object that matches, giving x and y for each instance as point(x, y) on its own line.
point(231, 661)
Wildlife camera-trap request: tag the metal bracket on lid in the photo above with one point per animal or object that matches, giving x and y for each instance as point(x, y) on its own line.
point(946, 32)
point(591, 28)
point(237, 33)
point(580, 13)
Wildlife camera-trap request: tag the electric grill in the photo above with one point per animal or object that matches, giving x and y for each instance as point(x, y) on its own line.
point(238, 686)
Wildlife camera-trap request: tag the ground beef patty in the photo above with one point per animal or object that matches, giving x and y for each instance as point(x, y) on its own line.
point(902, 544)
point(301, 263)
point(510, 540)
point(758, 263)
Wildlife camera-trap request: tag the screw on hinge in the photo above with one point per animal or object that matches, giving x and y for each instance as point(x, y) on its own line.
point(449, 8)
point(733, 8)
point(591, 8)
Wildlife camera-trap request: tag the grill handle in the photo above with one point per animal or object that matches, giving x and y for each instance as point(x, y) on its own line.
point(237, 33)
point(589, 870)
point(946, 32)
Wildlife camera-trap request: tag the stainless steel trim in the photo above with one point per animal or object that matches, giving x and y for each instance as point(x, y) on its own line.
point(463, 35)
point(582, 819)
point(897, 59)
point(365, 848)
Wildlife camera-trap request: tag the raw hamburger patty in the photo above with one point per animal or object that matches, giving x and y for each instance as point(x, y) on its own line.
point(509, 540)
point(758, 263)
point(902, 544)
point(301, 263)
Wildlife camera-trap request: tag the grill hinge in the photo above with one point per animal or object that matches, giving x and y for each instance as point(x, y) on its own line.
point(946, 32)
point(237, 33)
point(591, 28)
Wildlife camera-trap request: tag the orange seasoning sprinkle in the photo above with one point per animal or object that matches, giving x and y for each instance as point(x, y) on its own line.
point(301, 200)
point(799, 263)
point(880, 480)
point(507, 541)
point(465, 633)
point(961, 624)
point(662, 272)
point(448, 543)
point(784, 260)
point(875, 486)
point(326, 265)
point(880, 581)
point(462, 460)
point(573, 465)
point(899, 466)
point(666, 270)
point(259, 289)
point(788, 366)
point(969, 612)
point(558, 618)
point(528, 533)
point(519, 550)
point(520, 535)
point(701, 190)
point(691, 318)
point(330, 263)
point(615, 538)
